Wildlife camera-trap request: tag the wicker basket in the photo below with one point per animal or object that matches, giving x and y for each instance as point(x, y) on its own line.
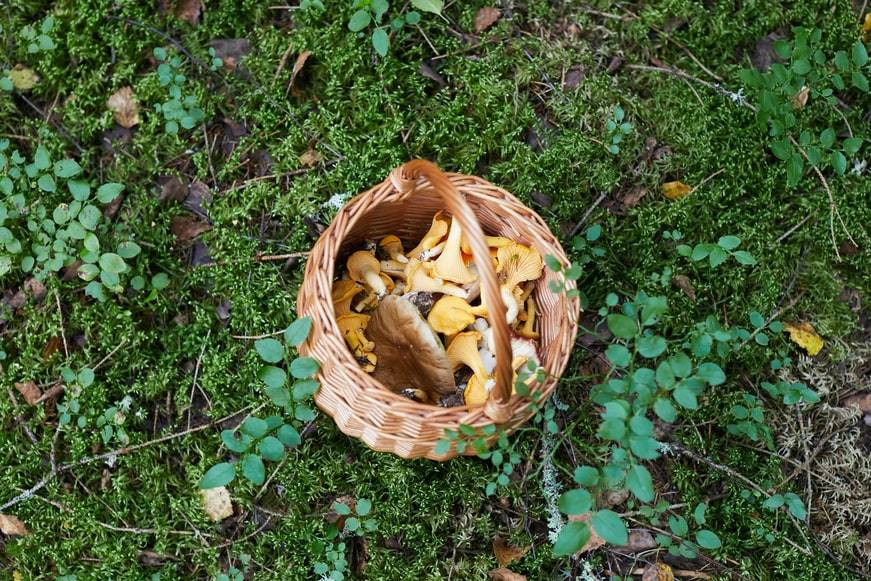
point(404, 205)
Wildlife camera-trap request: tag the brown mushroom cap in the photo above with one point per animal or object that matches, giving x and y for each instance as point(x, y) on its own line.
point(409, 352)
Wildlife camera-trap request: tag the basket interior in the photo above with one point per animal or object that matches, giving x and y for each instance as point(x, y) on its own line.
point(410, 218)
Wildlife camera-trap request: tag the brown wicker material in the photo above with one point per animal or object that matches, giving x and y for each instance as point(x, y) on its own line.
point(404, 205)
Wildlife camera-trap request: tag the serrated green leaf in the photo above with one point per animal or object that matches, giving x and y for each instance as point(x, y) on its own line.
point(572, 537)
point(271, 448)
point(253, 469)
point(298, 331)
point(610, 527)
point(431, 6)
point(576, 501)
point(255, 427)
point(269, 349)
point(289, 436)
point(303, 367)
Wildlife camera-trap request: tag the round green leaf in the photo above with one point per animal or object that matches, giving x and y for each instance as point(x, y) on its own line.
point(298, 331)
point(664, 409)
point(128, 249)
point(729, 242)
point(112, 263)
point(708, 540)
point(712, 373)
point(380, 41)
point(46, 183)
point(622, 326)
point(218, 475)
point(640, 483)
point(859, 54)
point(234, 444)
point(610, 527)
point(303, 367)
point(85, 377)
point(572, 537)
point(160, 281)
point(289, 436)
point(270, 350)
point(271, 448)
point(359, 20)
point(253, 469)
point(89, 217)
point(278, 395)
point(66, 168)
point(651, 346)
point(91, 242)
point(577, 501)
point(255, 427)
point(272, 376)
point(618, 355)
point(685, 396)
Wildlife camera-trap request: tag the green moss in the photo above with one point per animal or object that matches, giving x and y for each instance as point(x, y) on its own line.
point(503, 113)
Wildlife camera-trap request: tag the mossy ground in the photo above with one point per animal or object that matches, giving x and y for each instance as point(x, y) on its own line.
point(504, 113)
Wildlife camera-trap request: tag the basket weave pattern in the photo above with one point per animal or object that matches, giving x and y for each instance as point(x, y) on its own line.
point(404, 205)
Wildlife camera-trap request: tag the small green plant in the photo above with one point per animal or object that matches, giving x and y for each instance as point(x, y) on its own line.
point(352, 519)
point(75, 383)
point(750, 420)
point(39, 41)
point(792, 501)
point(233, 573)
point(677, 542)
point(257, 439)
point(39, 241)
point(370, 12)
point(807, 76)
point(616, 129)
point(307, 4)
point(717, 253)
point(111, 422)
point(179, 110)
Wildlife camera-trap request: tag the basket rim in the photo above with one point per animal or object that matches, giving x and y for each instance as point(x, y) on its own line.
point(454, 414)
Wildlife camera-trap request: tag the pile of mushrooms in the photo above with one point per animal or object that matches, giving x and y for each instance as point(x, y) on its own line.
point(410, 321)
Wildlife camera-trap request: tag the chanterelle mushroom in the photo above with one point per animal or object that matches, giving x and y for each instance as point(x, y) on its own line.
point(409, 352)
point(527, 329)
point(418, 277)
point(463, 350)
point(476, 393)
point(392, 245)
point(353, 327)
point(364, 268)
point(492, 242)
point(516, 264)
point(343, 293)
point(450, 264)
point(450, 315)
point(431, 239)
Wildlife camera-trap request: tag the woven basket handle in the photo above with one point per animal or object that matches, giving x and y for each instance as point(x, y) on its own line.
point(404, 179)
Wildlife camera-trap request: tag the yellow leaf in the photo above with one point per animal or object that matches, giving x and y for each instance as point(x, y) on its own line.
point(866, 27)
point(804, 335)
point(657, 572)
point(23, 78)
point(675, 190)
point(16, 576)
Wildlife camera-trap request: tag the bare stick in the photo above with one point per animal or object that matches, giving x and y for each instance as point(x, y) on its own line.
point(789, 232)
point(196, 376)
point(586, 215)
point(60, 314)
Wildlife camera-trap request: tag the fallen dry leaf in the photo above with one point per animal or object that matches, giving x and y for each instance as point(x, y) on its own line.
point(799, 100)
point(125, 107)
point(231, 51)
point(29, 391)
point(35, 287)
point(10, 525)
point(639, 540)
point(860, 400)
point(804, 335)
point(311, 158)
point(189, 10)
point(657, 572)
point(486, 17)
point(52, 346)
point(173, 189)
point(683, 283)
point(217, 503)
point(505, 553)
point(23, 78)
point(297, 67)
point(186, 228)
point(675, 190)
point(595, 541)
point(503, 574)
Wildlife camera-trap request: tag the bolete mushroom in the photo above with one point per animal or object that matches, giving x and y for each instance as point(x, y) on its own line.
point(437, 230)
point(353, 327)
point(408, 350)
point(450, 264)
point(364, 268)
point(450, 315)
point(343, 294)
point(419, 277)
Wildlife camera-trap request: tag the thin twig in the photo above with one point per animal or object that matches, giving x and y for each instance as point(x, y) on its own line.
point(196, 376)
point(59, 389)
point(60, 314)
point(789, 232)
point(57, 125)
point(113, 454)
point(586, 215)
point(776, 314)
